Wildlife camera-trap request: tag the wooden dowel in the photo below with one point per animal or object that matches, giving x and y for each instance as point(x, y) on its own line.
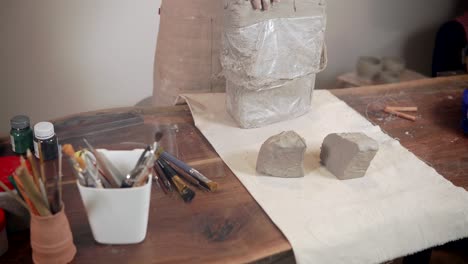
point(20, 186)
point(399, 114)
point(33, 164)
point(34, 195)
point(402, 108)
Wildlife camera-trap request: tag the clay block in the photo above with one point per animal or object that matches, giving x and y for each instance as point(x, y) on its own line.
point(348, 155)
point(251, 109)
point(282, 156)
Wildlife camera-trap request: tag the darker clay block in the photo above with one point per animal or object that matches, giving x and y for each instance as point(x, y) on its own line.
point(348, 155)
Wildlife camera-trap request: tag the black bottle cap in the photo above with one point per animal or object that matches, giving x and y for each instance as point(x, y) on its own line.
point(19, 122)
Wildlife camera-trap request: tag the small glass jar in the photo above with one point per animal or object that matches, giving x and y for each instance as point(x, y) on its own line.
point(44, 136)
point(21, 134)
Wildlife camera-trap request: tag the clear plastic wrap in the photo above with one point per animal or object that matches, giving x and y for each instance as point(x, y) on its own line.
point(253, 109)
point(270, 60)
point(268, 54)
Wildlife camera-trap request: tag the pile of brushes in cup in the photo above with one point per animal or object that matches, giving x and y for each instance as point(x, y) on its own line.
point(30, 184)
point(92, 169)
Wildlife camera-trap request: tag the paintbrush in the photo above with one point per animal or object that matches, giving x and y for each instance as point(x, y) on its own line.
point(32, 192)
point(204, 181)
point(164, 179)
point(185, 192)
point(103, 165)
point(57, 199)
point(191, 180)
point(159, 179)
point(140, 169)
point(79, 165)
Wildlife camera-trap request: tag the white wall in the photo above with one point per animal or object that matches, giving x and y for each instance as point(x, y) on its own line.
point(59, 57)
point(65, 56)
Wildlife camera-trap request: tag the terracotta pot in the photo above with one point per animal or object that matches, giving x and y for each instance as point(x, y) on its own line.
point(393, 64)
point(51, 239)
point(368, 67)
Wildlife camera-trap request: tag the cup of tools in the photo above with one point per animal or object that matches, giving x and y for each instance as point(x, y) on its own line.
point(118, 214)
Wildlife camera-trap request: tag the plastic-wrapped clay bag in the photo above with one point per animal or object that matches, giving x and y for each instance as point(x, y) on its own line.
point(270, 59)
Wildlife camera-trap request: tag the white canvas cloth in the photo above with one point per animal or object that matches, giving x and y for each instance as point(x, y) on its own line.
point(400, 207)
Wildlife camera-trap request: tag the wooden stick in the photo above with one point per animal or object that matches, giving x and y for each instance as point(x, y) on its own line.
point(402, 108)
point(399, 114)
point(60, 175)
point(33, 164)
point(43, 192)
point(14, 195)
point(20, 186)
point(41, 161)
point(33, 194)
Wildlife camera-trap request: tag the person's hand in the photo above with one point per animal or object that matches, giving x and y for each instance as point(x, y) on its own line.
point(262, 4)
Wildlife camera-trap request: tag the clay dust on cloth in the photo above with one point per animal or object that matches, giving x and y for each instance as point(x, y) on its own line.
point(400, 207)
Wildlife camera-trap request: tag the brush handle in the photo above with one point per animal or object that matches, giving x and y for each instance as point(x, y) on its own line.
point(163, 177)
point(185, 192)
point(191, 171)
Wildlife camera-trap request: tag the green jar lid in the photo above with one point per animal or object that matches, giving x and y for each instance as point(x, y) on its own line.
point(19, 122)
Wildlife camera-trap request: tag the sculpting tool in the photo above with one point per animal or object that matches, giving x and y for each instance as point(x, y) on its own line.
point(204, 181)
point(185, 192)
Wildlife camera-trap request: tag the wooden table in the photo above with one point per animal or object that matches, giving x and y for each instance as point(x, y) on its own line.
point(229, 226)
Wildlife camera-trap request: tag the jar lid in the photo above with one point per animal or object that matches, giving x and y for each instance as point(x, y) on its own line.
point(44, 130)
point(19, 122)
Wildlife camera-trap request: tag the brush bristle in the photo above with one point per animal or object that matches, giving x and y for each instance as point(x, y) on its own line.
point(213, 186)
point(158, 136)
point(188, 195)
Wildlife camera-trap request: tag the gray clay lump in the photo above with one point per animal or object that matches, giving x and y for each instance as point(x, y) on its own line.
point(282, 155)
point(348, 155)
